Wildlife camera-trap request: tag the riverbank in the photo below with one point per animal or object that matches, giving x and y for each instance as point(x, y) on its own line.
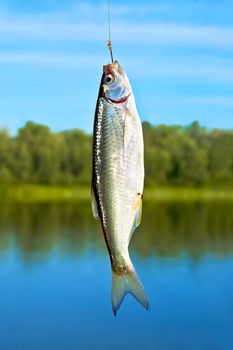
point(42, 193)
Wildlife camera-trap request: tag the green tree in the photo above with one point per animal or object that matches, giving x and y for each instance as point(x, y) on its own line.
point(41, 148)
point(6, 149)
point(221, 157)
point(75, 162)
point(174, 155)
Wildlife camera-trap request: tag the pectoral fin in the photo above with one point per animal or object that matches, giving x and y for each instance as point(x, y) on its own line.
point(94, 204)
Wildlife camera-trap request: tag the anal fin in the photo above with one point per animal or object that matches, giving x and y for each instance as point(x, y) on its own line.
point(138, 213)
point(95, 211)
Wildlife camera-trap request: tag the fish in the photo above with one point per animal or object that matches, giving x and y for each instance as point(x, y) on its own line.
point(118, 178)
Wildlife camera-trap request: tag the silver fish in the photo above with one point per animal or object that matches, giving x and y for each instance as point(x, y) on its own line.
point(118, 178)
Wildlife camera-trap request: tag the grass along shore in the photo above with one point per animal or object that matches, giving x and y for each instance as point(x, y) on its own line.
point(49, 193)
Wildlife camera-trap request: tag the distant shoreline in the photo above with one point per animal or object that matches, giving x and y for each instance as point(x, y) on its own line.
point(52, 193)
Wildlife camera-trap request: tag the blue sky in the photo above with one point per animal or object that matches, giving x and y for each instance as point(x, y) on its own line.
point(177, 54)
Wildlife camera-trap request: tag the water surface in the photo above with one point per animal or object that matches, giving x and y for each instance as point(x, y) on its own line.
point(56, 279)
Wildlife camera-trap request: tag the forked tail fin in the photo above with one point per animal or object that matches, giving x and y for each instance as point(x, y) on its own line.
point(127, 282)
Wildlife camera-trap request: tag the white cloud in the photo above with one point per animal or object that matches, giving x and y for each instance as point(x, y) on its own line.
point(182, 67)
point(198, 100)
point(55, 60)
point(119, 10)
point(86, 23)
point(180, 34)
point(223, 101)
point(208, 68)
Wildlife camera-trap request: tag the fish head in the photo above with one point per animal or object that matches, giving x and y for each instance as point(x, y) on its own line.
point(115, 84)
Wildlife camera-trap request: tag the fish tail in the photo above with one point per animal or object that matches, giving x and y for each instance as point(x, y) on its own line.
point(126, 281)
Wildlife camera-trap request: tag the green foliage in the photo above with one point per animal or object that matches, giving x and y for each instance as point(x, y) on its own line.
point(188, 155)
point(6, 159)
point(174, 155)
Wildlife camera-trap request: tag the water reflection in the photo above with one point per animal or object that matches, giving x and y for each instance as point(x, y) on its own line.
point(56, 279)
point(166, 230)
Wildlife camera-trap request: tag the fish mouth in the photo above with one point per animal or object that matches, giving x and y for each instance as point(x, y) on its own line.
point(120, 100)
point(108, 69)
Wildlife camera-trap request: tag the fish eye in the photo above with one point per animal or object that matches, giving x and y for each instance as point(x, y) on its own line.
point(109, 78)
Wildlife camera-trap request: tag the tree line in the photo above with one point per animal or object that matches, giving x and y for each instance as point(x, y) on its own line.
point(174, 155)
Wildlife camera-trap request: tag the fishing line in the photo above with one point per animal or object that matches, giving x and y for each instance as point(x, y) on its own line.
point(109, 31)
